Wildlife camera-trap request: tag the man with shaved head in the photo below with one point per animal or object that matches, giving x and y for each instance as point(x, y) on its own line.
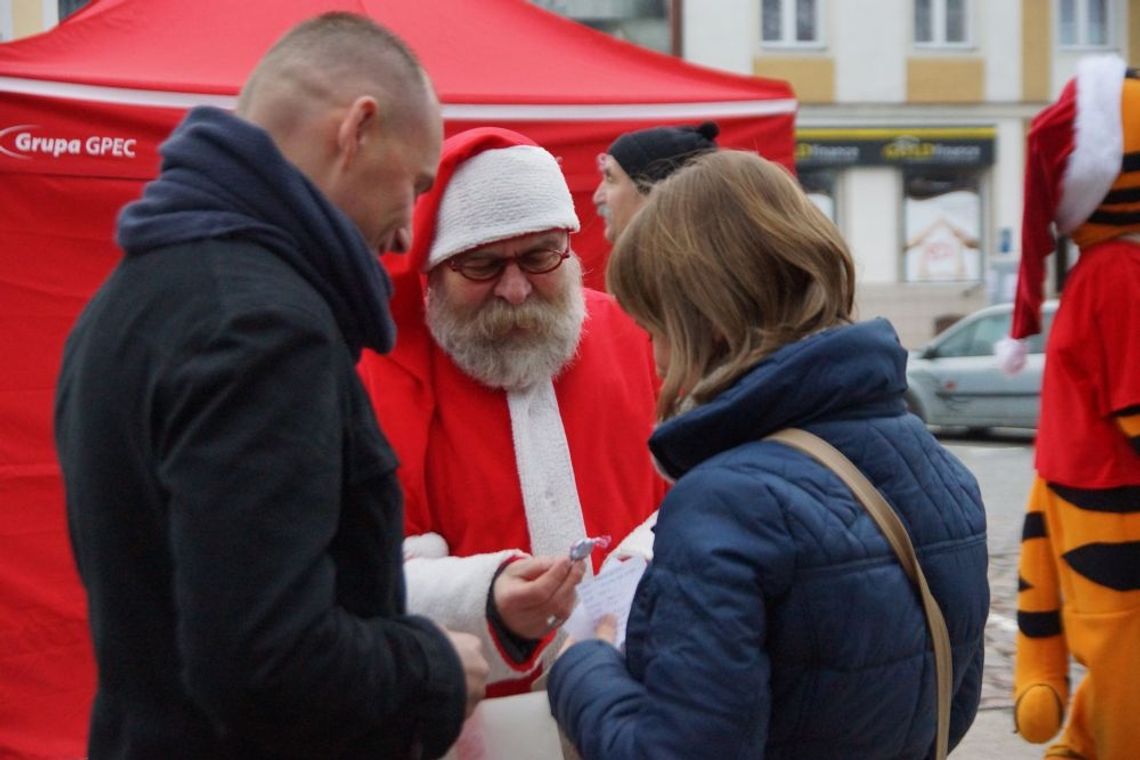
point(233, 505)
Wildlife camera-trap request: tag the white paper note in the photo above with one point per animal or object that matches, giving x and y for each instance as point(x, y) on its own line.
point(610, 592)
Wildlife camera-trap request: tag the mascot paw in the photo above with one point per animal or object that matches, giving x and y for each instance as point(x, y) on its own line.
point(1038, 714)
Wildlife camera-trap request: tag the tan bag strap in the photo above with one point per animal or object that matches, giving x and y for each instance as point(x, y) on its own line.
point(897, 536)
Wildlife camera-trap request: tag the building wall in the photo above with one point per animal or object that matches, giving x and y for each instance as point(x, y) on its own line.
point(867, 72)
point(868, 40)
point(945, 79)
point(721, 33)
point(1000, 49)
point(869, 235)
point(1008, 183)
point(23, 18)
point(1132, 33)
point(1036, 50)
point(812, 77)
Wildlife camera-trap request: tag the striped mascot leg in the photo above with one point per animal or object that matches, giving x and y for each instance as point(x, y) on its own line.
point(1041, 667)
point(1080, 593)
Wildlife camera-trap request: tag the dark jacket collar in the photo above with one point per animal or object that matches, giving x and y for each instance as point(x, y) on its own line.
point(845, 372)
point(223, 178)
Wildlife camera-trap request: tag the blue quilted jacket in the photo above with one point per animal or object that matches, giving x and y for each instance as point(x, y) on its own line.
point(774, 620)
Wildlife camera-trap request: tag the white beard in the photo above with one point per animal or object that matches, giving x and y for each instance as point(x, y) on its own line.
point(512, 347)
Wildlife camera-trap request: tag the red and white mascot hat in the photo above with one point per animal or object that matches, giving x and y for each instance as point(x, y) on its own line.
point(1075, 172)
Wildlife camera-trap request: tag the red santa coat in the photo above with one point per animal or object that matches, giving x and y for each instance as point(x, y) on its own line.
point(453, 438)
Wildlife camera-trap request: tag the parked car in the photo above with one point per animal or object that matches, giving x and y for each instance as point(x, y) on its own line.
point(955, 381)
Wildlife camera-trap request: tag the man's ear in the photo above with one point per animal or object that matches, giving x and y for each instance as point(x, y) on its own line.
point(360, 117)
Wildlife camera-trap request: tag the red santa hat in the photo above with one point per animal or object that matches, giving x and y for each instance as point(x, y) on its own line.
point(1074, 155)
point(509, 192)
point(492, 184)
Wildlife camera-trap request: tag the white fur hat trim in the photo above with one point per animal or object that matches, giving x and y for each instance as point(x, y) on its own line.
point(501, 194)
point(1098, 146)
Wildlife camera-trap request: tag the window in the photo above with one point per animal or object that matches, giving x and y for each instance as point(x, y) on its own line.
point(941, 22)
point(67, 7)
point(942, 217)
point(1035, 344)
point(1083, 23)
point(648, 23)
point(975, 339)
point(819, 186)
point(790, 22)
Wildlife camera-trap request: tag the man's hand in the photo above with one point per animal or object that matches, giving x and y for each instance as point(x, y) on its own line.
point(475, 667)
point(536, 594)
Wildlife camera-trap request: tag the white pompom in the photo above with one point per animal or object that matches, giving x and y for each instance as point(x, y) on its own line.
point(1010, 355)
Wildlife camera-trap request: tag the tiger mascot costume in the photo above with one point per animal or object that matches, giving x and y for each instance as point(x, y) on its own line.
point(1079, 570)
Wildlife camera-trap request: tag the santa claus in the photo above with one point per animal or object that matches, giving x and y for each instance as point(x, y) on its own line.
point(518, 402)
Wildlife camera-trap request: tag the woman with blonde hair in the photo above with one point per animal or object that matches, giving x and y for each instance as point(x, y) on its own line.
point(774, 620)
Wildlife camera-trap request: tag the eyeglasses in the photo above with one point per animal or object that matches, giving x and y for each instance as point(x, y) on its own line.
point(480, 266)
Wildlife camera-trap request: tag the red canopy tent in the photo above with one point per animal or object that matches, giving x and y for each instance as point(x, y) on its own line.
point(83, 108)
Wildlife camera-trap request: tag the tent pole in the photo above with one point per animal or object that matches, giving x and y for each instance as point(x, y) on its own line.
point(676, 27)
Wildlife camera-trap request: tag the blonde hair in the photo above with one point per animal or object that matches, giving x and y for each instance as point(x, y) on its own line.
point(728, 261)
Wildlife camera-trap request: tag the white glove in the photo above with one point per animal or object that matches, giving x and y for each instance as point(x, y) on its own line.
point(1010, 355)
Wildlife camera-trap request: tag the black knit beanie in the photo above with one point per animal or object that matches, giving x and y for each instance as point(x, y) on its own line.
point(650, 155)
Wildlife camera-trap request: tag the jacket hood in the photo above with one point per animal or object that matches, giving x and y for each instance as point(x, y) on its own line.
point(848, 372)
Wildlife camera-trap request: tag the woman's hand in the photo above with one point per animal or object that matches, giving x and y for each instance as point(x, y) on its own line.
point(606, 630)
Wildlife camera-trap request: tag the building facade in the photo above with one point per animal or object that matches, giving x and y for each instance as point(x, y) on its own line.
point(912, 120)
point(653, 24)
point(912, 123)
point(23, 18)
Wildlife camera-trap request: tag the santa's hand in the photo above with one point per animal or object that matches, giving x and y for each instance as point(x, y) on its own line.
point(535, 595)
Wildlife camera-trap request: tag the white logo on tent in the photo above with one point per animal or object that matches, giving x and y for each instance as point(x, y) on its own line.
point(4, 133)
point(27, 144)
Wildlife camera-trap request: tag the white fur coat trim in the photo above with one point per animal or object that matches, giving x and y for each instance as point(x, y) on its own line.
point(452, 591)
point(639, 542)
point(546, 474)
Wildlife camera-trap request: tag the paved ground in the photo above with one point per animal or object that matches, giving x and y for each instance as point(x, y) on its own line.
point(991, 737)
point(1003, 466)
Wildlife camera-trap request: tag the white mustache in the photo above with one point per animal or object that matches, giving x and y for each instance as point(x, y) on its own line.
point(604, 211)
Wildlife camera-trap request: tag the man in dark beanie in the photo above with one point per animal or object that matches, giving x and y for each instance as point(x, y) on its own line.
point(638, 160)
